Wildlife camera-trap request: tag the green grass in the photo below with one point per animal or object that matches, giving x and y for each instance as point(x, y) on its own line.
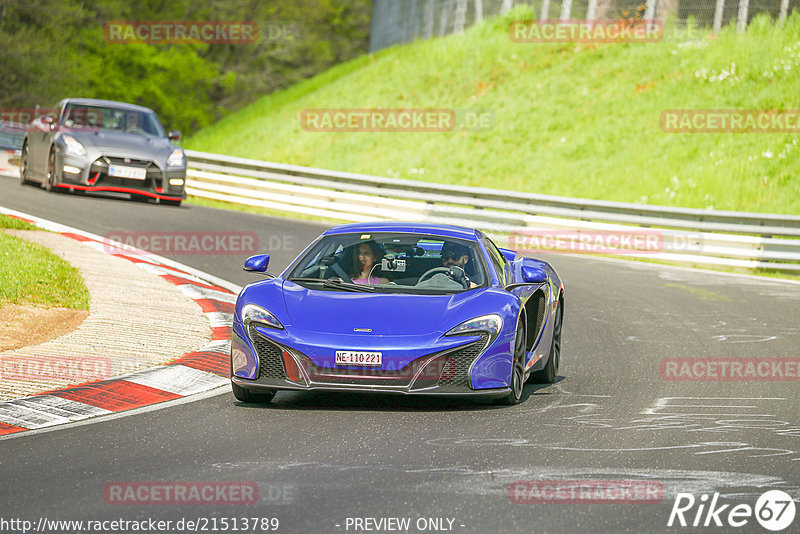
point(578, 120)
point(31, 274)
point(13, 223)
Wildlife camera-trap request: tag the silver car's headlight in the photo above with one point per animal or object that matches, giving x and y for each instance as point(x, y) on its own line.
point(176, 159)
point(489, 324)
point(256, 314)
point(73, 147)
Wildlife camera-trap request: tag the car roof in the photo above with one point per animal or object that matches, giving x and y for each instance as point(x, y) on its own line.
point(109, 103)
point(444, 230)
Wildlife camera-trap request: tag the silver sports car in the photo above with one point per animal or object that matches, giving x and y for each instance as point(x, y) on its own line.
point(100, 145)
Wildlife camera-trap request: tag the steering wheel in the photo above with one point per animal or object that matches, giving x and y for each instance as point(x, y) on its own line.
point(455, 272)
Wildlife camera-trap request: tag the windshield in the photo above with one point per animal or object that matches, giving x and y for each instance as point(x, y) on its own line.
point(109, 118)
point(392, 263)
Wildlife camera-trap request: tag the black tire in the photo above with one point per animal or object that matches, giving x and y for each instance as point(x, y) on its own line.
point(49, 180)
point(549, 374)
point(517, 379)
point(170, 202)
point(243, 395)
point(23, 166)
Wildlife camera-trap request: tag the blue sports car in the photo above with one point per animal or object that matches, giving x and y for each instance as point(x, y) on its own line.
point(411, 308)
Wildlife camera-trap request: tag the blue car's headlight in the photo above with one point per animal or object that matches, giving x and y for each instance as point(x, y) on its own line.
point(256, 314)
point(489, 324)
point(176, 159)
point(73, 147)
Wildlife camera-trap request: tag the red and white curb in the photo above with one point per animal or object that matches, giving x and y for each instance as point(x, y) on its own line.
point(195, 372)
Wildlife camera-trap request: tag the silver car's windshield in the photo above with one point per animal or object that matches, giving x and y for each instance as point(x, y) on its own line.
point(81, 116)
point(392, 263)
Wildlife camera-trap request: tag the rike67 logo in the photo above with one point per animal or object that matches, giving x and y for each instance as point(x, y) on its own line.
point(774, 510)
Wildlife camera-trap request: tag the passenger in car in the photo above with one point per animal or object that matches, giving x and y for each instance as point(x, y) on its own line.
point(366, 261)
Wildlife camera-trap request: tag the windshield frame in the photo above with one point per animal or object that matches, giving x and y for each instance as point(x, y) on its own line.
point(143, 116)
point(334, 245)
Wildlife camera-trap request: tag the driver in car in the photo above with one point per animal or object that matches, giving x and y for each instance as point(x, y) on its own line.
point(455, 255)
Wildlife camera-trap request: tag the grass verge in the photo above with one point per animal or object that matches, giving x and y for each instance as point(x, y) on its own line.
point(31, 274)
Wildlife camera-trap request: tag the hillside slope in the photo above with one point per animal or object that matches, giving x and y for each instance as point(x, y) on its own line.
point(569, 119)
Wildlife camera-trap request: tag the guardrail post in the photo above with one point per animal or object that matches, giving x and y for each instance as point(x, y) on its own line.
point(429, 19)
point(478, 10)
point(650, 13)
point(460, 16)
point(718, 9)
point(741, 19)
point(591, 10)
point(784, 11)
point(566, 9)
point(545, 10)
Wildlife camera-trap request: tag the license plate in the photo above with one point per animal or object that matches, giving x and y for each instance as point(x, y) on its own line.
point(357, 357)
point(137, 173)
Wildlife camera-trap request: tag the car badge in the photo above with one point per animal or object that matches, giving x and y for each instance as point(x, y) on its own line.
point(362, 329)
point(127, 160)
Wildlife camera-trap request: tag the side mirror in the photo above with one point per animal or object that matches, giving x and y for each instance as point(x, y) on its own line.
point(174, 135)
point(509, 254)
point(257, 263)
point(533, 275)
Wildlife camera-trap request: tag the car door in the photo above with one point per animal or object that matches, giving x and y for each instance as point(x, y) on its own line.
point(40, 135)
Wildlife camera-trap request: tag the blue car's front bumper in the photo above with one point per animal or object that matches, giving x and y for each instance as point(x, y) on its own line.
point(269, 359)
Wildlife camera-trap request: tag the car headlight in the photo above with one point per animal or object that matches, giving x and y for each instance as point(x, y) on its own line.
point(73, 147)
point(256, 314)
point(176, 159)
point(489, 324)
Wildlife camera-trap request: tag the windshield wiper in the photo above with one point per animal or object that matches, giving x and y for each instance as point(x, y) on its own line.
point(335, 283)
point(339, 284)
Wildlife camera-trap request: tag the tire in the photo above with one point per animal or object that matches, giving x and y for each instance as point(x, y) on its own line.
point(23, 166)
point(243, 395)
point(49, 180)
point(549, 374)
point(517, 379)
point(176, 203)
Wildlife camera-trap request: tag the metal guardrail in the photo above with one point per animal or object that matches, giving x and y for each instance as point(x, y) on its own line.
point(691, 236)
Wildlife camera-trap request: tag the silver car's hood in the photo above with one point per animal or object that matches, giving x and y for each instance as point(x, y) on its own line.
point(125, 144)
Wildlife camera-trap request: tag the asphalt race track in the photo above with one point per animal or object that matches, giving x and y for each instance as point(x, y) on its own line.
point(319, 459)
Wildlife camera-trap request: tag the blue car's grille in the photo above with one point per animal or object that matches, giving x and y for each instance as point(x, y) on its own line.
point(455, 373)
point(270, 362)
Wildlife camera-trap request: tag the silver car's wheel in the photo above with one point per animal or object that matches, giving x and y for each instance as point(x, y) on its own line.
point(23, 165)
point(49, 181)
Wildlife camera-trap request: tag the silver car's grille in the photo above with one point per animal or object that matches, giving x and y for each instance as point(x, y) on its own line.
point(455, 372)
point(270, 362)
point(98, 174)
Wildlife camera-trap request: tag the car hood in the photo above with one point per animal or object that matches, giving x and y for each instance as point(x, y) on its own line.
point(124, 144)
point(382, 314)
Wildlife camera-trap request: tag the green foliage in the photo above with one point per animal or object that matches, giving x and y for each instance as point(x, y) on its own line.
point(52, 49)
point(577, 120)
